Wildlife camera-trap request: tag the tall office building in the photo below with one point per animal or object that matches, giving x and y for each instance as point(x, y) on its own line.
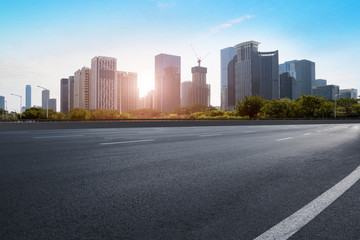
point(81, 88)
point(64, 95)
point(287, 86)
point(319, 82)
point(288, 67)
point(227, 92)
point(249, 73)
point(305, 77)
point(185, 99)
point(28, 96)
point(304, 73)
point(127, 91)
point(199, 90)
point(330, 92)
point(52, 104)
point(349, 93)
point(103, 84)
point(71, 94)
point(2, 102)
point(45, 99)
point(150, 100)
point(167, 82)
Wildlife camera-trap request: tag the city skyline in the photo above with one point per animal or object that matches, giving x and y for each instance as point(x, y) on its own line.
point(48, 50)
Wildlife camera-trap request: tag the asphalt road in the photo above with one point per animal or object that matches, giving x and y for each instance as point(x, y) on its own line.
point(230, 182)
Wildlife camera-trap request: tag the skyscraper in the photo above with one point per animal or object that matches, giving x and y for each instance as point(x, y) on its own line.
point(249, 73)
point(199, 90)
point(256, 73)
point(64, 95)
point(305, 77)
point(150, 100)
point(71, 93)
point(28, 96)
point(2, 102)
point(103, 85)
point(287, 86)
point(52, 104)
point(288, 67)
point(227, 82)
point(127, 92)
point(304, 73)
point(185, 98)
point(45, 99)
point(81, 88)
point(167, 82)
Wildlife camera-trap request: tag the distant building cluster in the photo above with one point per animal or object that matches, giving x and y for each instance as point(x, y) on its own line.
point(104, 87)
point(100, 87)
point(246, 72)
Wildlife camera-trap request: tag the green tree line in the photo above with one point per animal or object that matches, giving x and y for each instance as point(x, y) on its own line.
point(305, 107)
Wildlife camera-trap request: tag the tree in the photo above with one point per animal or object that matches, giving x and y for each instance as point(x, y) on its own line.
point(326, 109)
point(277, 108)
point(356, 110)
point(78, 113)
point(104, 114)
point(308, 105)
point(193, 108)
point(346, 105)
point(34, 113)
point(145, 113)
point(250, 106)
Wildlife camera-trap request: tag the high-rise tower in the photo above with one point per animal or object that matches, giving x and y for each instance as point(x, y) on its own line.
point(64, 95)
point(45, 99)
point(128, 92)
point(81, 88)
point(247, 73)
point(167, 82)
point(103, 85)
point(199, 90)
point(28, 96)
point(227, 78)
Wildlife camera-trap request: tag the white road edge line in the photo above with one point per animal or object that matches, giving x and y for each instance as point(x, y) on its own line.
point(210, 135)
point(63, 136)
point(135, 141)
point(307, 134)
point(283, 139)
point(289, 226)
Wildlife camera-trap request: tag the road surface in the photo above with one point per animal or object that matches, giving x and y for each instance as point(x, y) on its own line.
point(223, 182)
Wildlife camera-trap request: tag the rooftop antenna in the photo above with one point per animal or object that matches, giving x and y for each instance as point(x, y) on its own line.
point(199, 59)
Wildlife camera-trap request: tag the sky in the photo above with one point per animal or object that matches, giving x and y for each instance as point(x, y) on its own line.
point(43, 41)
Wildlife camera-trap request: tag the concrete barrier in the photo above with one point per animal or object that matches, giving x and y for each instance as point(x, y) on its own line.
point(21, 126)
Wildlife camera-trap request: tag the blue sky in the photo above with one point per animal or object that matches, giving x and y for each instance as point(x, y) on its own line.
point(43, 41)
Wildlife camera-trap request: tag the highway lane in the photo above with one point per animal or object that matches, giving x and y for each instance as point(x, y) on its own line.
point(231, 182)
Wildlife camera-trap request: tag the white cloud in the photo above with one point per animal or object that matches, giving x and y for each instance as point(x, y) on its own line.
point(230, 23)
point(163, 4)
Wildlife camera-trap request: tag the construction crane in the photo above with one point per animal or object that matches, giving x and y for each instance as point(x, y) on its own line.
point(199, 59)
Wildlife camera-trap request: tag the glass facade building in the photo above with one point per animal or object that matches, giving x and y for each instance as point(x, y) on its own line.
point(2, 102)
point(227, 55)
point(28, 96)
point(349, 93)
point(45, 99)
point(330, 92)
point(64, 95)
point(167, 82)
point(287, 86)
